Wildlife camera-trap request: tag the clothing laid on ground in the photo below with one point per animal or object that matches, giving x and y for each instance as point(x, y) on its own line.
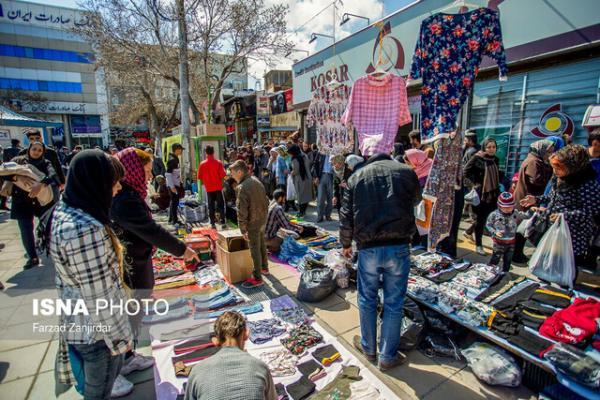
point(265, 330)
point(326, 355)
point(311, 370)
point(301, 338)
point(280, 362)
point(444, 177)
point(294, 316)
point(301, 389)
point(377, 107)
point(196, 355)
point(192, 345)
point(245, 309)
point(231, 374)
point(325, 113)
point(447, 55)
point(339, 388)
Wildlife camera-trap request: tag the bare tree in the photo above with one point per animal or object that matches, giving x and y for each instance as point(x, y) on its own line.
point(222, 36)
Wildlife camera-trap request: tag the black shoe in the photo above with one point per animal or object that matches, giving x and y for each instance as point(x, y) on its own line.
point(400, 359)
point(358, 346)
point(34, 262)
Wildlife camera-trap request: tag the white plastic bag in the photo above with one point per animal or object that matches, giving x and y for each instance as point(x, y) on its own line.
point(492, 365)
point(420, 211)
point(472, 198)
point(339, 264)
point(525, 225)
point(553, 259)
point(291, 190)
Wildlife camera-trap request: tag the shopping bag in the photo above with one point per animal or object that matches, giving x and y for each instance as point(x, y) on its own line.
point(291, 190)
point(472, 198)
point(553, 259)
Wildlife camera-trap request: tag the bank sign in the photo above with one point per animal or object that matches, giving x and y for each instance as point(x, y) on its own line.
point(41, 15)
point(529, 28)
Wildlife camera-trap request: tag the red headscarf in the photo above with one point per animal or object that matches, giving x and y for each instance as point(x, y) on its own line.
point(134, 171)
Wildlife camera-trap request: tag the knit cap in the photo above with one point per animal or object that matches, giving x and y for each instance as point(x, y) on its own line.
point(506, 199)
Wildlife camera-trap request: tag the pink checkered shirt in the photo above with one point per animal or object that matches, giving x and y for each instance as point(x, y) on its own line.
point(376, 109)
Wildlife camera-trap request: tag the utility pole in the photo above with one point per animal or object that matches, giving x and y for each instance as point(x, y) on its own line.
point(184, 86)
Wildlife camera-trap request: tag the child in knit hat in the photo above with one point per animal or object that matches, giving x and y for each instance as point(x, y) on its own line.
point(502, 225)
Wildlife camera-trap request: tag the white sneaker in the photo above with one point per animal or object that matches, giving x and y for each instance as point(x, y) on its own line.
point(121, 387)
point(479, 250)
point(137, 362)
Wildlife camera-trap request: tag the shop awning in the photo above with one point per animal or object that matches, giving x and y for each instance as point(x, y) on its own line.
point(9, 117)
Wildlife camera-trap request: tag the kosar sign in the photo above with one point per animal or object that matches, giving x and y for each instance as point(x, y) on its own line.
point(328, 76)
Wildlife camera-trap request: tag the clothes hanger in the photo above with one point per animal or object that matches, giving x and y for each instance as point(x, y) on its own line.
point(460, 4)
point(379, 73)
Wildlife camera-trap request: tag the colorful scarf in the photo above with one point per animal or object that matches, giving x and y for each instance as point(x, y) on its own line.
point(491, 179)
point(134, 171)
point(419, 161)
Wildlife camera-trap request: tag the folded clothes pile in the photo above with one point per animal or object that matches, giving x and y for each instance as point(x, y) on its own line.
point(265, 330)
point(575, 324)
point(479, 276)
point(166, 265)
point(280, 362)
point(208, 275)
point(574, 363)
point(430, 264)
point(288, 311)
point(301, 338)
point(451, 297)
point(184, 279)
point(246, 309)
point(291, 251)
point(423, 289)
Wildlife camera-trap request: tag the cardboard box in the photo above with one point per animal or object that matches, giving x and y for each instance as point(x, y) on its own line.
point(198, 242)
point(236, 266)
point(232, 240)
point(214, 130)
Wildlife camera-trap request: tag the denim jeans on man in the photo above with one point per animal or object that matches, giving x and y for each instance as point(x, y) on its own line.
point(392, 263)
point(325, 196)
point(100, 369)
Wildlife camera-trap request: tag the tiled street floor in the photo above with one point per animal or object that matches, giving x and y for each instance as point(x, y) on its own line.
point(27, 361)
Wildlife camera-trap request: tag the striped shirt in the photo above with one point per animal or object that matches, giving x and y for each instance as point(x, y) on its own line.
point(276, 219)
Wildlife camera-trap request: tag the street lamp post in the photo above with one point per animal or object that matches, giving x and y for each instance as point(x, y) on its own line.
point(314, 35)
point(346, 18)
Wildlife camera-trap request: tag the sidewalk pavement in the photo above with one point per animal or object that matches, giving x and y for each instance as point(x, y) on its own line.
point(27, 363)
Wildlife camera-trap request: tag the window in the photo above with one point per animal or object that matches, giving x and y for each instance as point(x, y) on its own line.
point(85, 124)
point(45, 54)
point(40, 86)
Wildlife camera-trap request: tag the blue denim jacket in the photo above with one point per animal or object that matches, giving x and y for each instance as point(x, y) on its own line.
point(281, 168)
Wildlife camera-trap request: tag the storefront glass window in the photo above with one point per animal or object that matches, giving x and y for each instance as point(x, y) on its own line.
point(533, 105)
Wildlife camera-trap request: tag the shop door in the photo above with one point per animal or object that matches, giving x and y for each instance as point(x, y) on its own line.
point(532, 106)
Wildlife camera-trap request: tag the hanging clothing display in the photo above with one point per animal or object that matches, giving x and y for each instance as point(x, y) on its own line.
point(325, 113)
point(377, 107)
point(447, 56)
point(445, 176)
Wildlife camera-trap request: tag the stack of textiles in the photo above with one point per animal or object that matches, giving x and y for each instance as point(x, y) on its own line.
point(292, 252)
point(288, 311)
point(246, 309)
point(220, 295)
point(280, 362)
point(301, 338)
point(423, 289)
point(265, 330)
point(190, 352)
point(453, 299)
point(575, 364)
point(175, 281)
point(575, 325)
point(166, 265)
point(209, 275)
point(478, 278)
point(429, 264)
point(326, 243)
point(503, 285)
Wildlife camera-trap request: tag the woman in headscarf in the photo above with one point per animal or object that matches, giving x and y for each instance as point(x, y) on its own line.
point(301, 177)
point(25, 206)
point(534, 175)
point(272, 168)
point(139, 233)
point(575, 193)
point(89, 266)
point(482, 173)
point(420, 163)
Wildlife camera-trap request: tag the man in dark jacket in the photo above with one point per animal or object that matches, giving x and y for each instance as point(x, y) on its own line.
point(13, 151)
point(471, 146)
point(35, 135)
point(173, 176)
point(378, 213)
point(252, 207)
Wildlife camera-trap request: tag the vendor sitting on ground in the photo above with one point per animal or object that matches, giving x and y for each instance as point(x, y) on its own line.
point(276, 219)
point(229, 187)
point(162, 197)
point(231, 373)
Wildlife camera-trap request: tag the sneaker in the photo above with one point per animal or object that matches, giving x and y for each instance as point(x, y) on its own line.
point(385, 366)
point(356, 342)
point(252, 283)
point(121, 387)
point(468, 237)
point(265, 271)
point(479, 250)
point(137, 362)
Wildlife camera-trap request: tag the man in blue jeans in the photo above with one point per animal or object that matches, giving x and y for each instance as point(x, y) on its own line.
point(377, 213)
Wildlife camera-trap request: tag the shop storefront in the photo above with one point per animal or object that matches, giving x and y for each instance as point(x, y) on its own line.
point(554, 70)
point(284, 125)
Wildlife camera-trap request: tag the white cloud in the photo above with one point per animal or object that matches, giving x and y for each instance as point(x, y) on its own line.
point(302, 23)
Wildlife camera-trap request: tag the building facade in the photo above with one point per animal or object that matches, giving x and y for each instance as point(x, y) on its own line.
point(48, 73)
point(553, 54)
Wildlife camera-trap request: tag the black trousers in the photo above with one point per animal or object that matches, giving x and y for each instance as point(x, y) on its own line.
point(216, 203)
point(482, 211)
point(449, 244)
point(173, 219)
point(502, 252)
point(28, 237)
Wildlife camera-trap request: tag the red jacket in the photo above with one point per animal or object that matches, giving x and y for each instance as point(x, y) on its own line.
point(211, 173)
point(573, 324)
